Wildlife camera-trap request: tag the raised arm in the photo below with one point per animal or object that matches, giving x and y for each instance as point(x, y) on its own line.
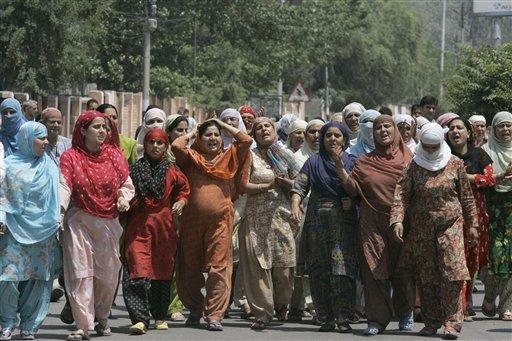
point(181, 151)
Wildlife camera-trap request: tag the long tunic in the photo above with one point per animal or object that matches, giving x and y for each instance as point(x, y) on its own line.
point(437, 204)
point(500, 233)
point(151, 238)
point(327, 231)
point(268, 219)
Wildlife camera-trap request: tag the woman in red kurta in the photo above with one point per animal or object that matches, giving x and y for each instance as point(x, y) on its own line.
point(151, 239)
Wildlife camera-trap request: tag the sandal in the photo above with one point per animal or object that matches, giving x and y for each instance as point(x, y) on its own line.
point(344, 327)
point(488, 312)
point(506, 316)
point(78, 335)
point(102, 328)
point(214, 326)
point(258, 325)
point(6, 334)
point(427, 331)
point(450, 333)
point(327, 327)
point(27, 335)
point(281, 313)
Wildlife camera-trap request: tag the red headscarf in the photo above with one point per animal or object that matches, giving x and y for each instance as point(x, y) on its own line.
point(159, 135)
point(245, 109)
point(94, 177)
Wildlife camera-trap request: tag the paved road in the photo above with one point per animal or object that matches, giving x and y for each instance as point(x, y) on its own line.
point(236, 329)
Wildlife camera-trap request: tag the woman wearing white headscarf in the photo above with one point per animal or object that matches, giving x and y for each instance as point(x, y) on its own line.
point(435, 194)
point(478, 123)
point(153, 118)
point(296, 135)
point(350, 115)
point(233, 118)
point(312, 144)
point(499, 204)
point(407, 127)
point(364, 142)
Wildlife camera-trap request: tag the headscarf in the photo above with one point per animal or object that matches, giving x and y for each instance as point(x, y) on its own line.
point(282, 161)
point(383, 163)
point(31, 189)
point(246, 109)
point(407, 119)
point(321, 169)
point(306, 151)
point(148, 116)
point(167, 124)
point(445, 119)
point(223, 166)
point(365, 142)
point(282, 126)
point(149, 176)
point(87, 173)
point(350, 108)
point(230, 112)
point(477, 118)
point(296, 125)
point(499, 151)
point(432, 133)
point(10, 125)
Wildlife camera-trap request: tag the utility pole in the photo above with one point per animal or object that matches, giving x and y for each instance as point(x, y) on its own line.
point(327, 112)
point(443, 33)
point(148, 27)
point(496, 32)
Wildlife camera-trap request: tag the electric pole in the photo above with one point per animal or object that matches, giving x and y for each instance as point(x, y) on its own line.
point(148, 27)
point(443, 34)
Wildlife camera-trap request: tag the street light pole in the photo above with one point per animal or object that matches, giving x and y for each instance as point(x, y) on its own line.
point(443, 33)
point(149, 26)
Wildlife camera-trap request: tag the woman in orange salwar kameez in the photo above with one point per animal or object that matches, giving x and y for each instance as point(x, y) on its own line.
point(207, 221)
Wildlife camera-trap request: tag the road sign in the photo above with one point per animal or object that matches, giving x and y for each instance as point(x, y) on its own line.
point(298, 94)
point(492, 7)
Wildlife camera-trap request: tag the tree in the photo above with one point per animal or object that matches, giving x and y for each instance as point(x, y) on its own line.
point(482, 82)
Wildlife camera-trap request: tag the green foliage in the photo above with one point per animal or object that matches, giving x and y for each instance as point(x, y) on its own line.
point(482, 82)
point(221, 53)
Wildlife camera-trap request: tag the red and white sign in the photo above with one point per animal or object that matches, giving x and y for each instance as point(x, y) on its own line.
point(298, 94)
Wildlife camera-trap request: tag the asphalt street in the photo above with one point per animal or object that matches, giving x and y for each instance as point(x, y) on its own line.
point(482, 328)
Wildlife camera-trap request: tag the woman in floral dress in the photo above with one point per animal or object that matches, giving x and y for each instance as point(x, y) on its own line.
point(435, 193)
point(267, 246)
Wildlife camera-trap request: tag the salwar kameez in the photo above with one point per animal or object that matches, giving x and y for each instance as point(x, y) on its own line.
point(27, 272)
point(267, 245)
point(499, 280)
point(328, 253)
point(435, 242)
point(206, 227)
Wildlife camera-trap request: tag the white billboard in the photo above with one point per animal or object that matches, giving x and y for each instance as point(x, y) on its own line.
point(492, 7)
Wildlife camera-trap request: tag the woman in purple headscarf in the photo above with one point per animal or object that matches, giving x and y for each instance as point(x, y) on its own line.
point(328, 239)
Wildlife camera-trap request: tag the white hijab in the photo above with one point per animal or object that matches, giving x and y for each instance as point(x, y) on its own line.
point(407, 119)
point(500, 152)
point(230, 112)
point(148, 116)
point(432, 133)
point(303, 154)
point(350, 108)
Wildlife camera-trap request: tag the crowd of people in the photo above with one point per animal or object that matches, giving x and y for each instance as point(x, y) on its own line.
point(369, 215)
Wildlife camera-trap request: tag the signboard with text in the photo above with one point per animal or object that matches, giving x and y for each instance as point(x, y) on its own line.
point(496, 8)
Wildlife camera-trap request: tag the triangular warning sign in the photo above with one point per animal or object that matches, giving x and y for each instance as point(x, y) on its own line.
point(298, 94)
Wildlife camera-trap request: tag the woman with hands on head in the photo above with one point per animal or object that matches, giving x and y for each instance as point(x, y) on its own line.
point(435, 194)
point(373, 180)
point(328, 241)
point(207, 220)
point(267, 245)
